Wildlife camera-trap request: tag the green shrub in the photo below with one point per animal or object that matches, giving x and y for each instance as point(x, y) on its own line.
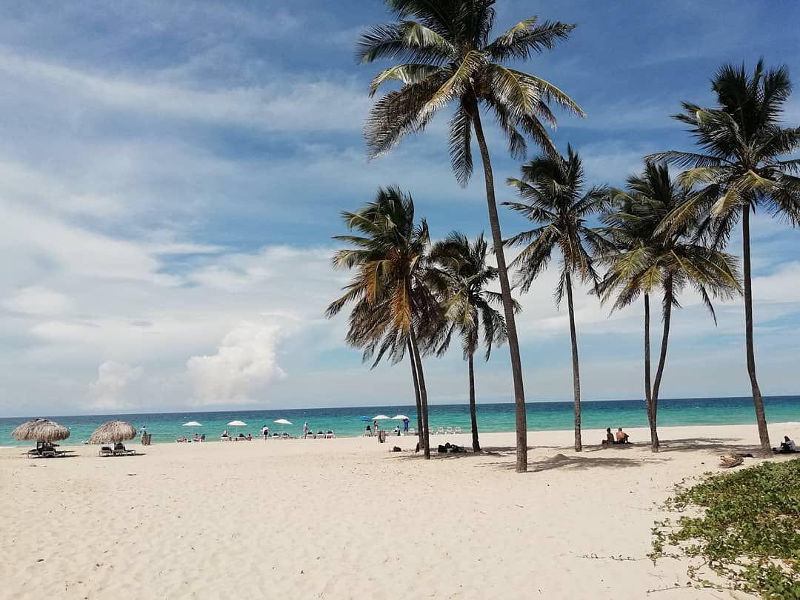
point(747, 531)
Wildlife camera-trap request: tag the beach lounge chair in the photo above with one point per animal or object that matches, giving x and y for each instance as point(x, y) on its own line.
point(105, 451)
point(440, 431)
point(458, 429)
point(121, 450)
point(450, 431)
point(411, 431)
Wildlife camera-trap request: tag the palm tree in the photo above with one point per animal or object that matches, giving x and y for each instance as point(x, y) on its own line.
point(739, 168)
point(647, 259)
point(390, 297)
point(552, 193)
point(446, 58)
point(461, 276)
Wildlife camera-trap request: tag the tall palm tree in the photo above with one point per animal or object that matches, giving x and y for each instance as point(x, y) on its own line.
point(446, 57)
point(552, 193)
point(739, 168)
point(391, 301)
point(461, 275)
point(648, 259)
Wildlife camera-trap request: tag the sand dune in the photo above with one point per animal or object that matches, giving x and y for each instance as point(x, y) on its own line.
point(347, 519)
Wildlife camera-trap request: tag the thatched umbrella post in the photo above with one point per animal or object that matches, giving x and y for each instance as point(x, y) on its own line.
point(43, 431)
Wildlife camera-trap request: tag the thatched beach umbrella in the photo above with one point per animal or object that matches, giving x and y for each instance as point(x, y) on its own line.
point(41, 430)
point(113, 432)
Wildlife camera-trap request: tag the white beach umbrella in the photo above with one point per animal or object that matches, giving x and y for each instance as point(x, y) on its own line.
point(380, 418)
point(283, 422)
point(237, 424)
point(400, 418)
point(192, 424)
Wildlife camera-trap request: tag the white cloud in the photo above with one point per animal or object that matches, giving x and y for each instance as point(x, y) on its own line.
point(36, 300)
point(292, 104)
point(108, 391)
point(244, 363)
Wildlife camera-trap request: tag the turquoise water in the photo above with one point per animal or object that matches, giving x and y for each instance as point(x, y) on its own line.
point(165, 427)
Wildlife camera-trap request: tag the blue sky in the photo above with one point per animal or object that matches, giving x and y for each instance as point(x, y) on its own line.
point(171, 175)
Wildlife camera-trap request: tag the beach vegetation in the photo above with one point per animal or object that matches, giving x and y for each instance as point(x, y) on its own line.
point(742, 526)
point(744, 163)
point(644, 258)
point(392, 305)
point(460, 274)
point(553, 195)
point(446, 57)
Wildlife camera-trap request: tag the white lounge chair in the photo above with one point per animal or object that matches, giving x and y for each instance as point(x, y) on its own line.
point(458, 429)
point(450, 431)
point(440, 431)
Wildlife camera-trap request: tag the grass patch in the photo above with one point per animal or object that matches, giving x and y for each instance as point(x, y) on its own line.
point(744, 526)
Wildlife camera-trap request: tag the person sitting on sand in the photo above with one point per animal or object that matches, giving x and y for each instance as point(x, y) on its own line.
point(181, 439)
point(368, 431)
point(609, 438)
point(787, 446)
point(622, 437)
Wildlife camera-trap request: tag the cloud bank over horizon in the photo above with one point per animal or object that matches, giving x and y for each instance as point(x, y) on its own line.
point(171, 176)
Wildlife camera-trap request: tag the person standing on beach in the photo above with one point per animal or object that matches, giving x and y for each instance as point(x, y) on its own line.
point(305, 430)
point(265, 432)
point(405, 425)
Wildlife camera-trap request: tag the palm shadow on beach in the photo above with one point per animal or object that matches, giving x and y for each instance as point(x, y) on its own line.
point(710, 445)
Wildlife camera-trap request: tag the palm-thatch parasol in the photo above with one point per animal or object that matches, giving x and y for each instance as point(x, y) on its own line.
point(41, 430)
point(113, 432)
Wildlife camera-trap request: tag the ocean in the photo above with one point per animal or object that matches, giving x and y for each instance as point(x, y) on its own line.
point(348, 422)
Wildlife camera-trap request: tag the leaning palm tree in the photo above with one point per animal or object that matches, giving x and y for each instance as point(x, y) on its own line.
point(461, 276)
point(646, 260)
point(553, 197)
point(390, 300)
point(741, 166)
point(446, 57)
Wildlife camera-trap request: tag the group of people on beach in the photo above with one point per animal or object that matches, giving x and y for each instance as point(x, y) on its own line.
point(196, 438)
point(376, 427)
point(620, 438)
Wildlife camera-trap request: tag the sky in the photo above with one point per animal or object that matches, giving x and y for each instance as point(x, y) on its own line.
point(171, 174)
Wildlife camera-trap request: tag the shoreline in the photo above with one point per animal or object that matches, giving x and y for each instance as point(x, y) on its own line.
point(532, 433)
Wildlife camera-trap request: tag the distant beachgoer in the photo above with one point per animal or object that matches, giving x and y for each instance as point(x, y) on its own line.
point(196, 437)
point(249, 437)
point(305, 430)
point(609, 438)
point(375, 426)
point(368, 431)
point(787, 446)
point(622, 437)
point(405, 425)
point(397, 429)
point(265, 432)
point(203, 437)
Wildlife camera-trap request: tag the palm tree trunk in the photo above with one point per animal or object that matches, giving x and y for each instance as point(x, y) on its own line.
point(576, 375)
point(423, 394)
point(505, 288)
point(416, 393)
point(473, 412)
point(648, 389)
point(761, 419)
point(662, 358)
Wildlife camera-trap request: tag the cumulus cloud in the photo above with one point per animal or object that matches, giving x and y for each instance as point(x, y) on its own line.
point(109, 390)
point(244, 363)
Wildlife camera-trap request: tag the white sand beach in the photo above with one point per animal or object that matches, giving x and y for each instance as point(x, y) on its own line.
point(345, 518)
